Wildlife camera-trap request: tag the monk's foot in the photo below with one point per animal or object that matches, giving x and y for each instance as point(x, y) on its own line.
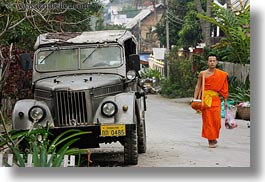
point(212, 143)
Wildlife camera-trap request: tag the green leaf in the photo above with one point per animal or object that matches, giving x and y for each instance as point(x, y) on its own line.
point(35, 157)
point(74, 151)
point(20, 160)
point(57, 140)
point(62, 134)
point(58, 160)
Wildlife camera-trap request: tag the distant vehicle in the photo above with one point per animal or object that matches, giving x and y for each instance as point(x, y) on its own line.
point(89, 81)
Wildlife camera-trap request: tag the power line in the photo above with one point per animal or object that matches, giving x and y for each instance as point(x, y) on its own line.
point(175, 25)
point(176, 20)
point(173, 16)
point(171, 19)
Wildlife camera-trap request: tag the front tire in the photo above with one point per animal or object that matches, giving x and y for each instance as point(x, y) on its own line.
point(131, 148)
point(141, 138)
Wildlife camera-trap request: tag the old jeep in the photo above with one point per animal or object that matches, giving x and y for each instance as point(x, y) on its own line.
point(88, 81)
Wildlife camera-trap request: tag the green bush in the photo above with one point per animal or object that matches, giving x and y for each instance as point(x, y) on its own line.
point(181, 81)
point(150, 73)
point(37, 143)
point(238, 91)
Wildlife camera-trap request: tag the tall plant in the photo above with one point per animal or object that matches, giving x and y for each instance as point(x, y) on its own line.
point(150, 73)
point(238, 91)
point(236, 27)
point(181, 80)
point(37, 143)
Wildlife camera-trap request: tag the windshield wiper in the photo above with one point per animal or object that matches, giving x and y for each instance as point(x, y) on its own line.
point(49, 54)
point(90, 54)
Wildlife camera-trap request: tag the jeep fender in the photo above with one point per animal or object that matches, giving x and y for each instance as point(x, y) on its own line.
point(123, 116)
point(20, 115)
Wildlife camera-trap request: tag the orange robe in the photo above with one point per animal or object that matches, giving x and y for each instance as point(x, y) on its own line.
point(211, 116)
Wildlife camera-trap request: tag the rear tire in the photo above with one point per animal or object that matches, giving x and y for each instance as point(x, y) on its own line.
point(131, 148)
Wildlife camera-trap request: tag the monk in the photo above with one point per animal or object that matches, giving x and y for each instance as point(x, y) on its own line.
point(216, 85)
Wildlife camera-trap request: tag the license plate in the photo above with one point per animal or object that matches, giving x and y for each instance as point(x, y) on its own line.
point(112, 130)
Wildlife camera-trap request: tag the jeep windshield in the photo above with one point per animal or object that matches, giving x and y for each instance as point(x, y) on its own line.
point(69, 58)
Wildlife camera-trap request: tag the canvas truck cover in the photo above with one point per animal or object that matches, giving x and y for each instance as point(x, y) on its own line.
point(47, 39)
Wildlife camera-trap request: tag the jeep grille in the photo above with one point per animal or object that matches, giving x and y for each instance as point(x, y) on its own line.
point(109, 90)
point(71, 108)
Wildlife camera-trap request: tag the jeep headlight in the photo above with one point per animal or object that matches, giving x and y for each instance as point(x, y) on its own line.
point(109, 108)
point(37, 113)
point(131, 74)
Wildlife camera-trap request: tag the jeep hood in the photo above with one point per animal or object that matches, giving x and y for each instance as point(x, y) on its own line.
point(78, 82)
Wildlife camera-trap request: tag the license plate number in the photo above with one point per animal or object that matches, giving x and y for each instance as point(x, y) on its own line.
point(112, 130)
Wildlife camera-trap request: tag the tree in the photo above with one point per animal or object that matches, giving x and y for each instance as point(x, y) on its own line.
point(236, 27)
point(177, 10)
point(190, 33)
point(26, 20)
point(205, 25)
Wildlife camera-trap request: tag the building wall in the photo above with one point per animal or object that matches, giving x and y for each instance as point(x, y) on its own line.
point(148, 39)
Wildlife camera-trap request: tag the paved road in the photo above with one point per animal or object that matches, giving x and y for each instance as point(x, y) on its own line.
point(174, 139)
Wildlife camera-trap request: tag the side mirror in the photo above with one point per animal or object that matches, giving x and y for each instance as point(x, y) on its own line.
point(134, 62)
point(26, 61)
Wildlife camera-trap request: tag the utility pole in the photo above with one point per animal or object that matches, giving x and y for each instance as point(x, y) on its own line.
point(167, 38)
point(139, 34)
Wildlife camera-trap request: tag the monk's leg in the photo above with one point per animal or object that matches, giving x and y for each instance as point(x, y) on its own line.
point(211, 124)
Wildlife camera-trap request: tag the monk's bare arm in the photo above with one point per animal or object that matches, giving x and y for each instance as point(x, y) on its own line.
point(198, 86)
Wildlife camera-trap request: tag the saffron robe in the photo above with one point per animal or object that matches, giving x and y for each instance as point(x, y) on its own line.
point(211, 116)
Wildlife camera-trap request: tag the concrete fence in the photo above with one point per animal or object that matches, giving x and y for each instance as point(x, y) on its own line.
point(241, 72)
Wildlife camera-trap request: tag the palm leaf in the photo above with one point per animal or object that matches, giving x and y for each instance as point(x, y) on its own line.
point(57, 140)
point(58, 160)
point(21, 161)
